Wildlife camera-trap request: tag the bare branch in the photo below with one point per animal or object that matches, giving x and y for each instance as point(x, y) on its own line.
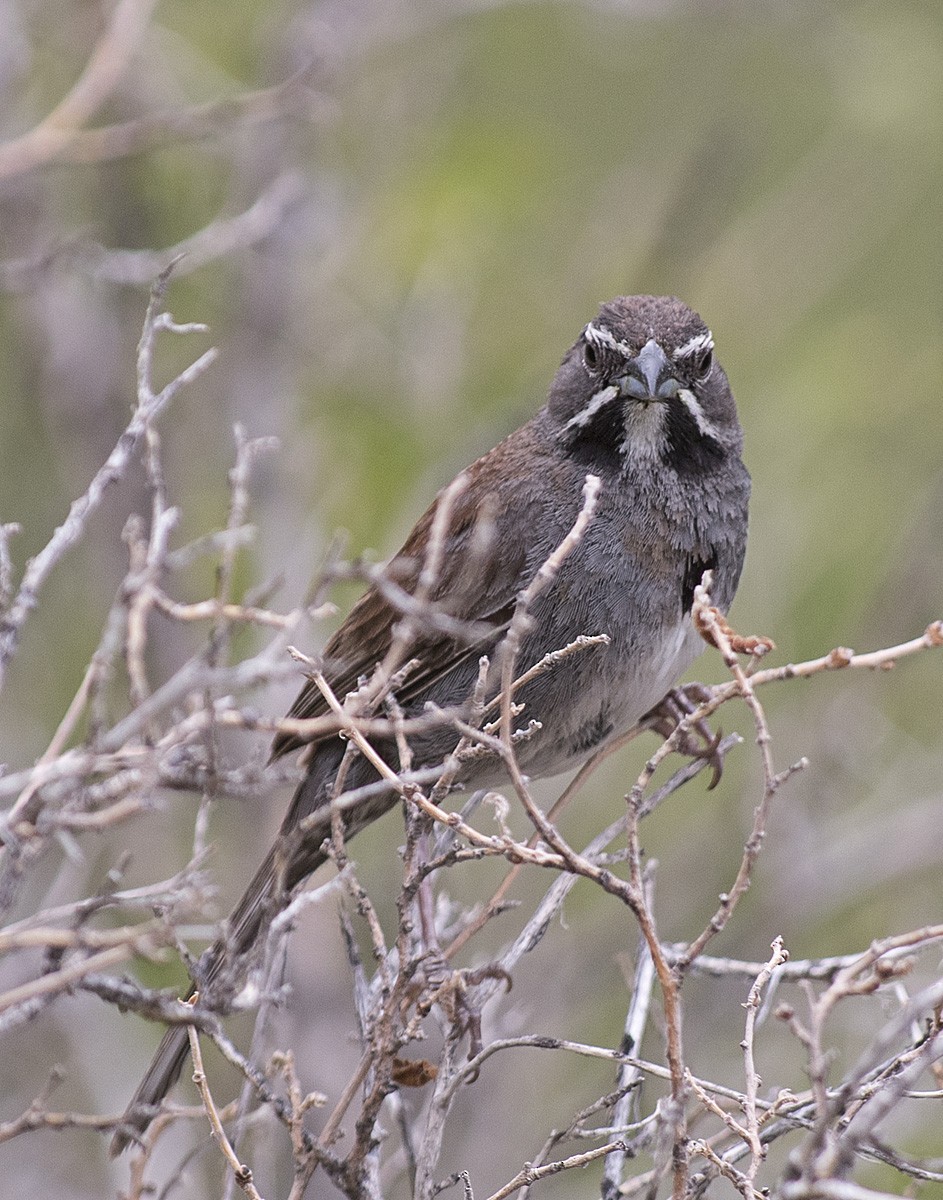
point(104, 70)
point(147, 409)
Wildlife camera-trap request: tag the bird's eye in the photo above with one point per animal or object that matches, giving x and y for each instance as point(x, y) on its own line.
point(590, 356)
point(706, 362)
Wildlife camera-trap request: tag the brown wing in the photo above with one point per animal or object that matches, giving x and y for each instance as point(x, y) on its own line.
point(475, 594)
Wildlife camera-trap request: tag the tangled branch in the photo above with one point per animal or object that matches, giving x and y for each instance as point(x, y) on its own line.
point(434, 1034)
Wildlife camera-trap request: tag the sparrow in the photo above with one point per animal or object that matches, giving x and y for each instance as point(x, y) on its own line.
point(639, 401)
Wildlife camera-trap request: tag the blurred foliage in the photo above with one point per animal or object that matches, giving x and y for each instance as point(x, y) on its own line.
point(473, 178)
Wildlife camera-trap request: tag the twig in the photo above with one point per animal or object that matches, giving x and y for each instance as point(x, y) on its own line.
point(148, 408)
point(241, 1171)
point(529, 1174)
point(752, 1133)
point(705, 616)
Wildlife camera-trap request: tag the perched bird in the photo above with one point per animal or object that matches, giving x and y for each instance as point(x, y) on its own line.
point(640, 402)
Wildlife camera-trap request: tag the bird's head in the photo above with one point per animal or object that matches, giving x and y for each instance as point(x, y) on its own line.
point(642, 383)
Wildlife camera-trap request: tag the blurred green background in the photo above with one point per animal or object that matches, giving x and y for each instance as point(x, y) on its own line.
point(465, 182)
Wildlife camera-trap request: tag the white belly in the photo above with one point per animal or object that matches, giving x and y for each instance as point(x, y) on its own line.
point(607, 703)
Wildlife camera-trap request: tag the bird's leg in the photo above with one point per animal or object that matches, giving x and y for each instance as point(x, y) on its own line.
point(454, 991)
point(698, 742)
point(437, 975)
point(456, 994)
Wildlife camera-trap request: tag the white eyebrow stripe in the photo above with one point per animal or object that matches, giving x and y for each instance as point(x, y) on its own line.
point(690, 402)
point(700, 341)
point(602, 337)
point(597, 401)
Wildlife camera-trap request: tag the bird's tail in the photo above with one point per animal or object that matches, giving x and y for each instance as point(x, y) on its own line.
point(244, 929)
point(289, 862)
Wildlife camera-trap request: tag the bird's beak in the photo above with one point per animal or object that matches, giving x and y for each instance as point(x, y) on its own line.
point(649, 376)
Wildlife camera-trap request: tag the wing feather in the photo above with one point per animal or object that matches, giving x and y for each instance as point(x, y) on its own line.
point(483, 569)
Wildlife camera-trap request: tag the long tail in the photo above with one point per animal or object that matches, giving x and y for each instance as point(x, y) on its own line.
point(265, 895)
point(244, 928)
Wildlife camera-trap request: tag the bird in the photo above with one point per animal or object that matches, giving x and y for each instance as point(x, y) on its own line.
point(641, 403)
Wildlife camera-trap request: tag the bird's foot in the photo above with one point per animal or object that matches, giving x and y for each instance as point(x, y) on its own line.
point(700, 741)
point(456, 993)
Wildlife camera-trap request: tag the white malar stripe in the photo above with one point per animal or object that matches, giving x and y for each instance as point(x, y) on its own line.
point(596, 402)
point(602, 337)
point(697, 344)
point(690, 402)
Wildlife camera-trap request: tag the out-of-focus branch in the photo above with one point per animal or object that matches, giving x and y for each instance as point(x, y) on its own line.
point(293, 96)
point(106, 66)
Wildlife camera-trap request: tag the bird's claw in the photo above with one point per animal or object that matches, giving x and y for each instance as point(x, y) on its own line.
point(700, 741)
point(454, 991)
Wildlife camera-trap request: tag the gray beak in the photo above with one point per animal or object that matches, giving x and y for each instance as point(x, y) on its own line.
point(649, 375)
